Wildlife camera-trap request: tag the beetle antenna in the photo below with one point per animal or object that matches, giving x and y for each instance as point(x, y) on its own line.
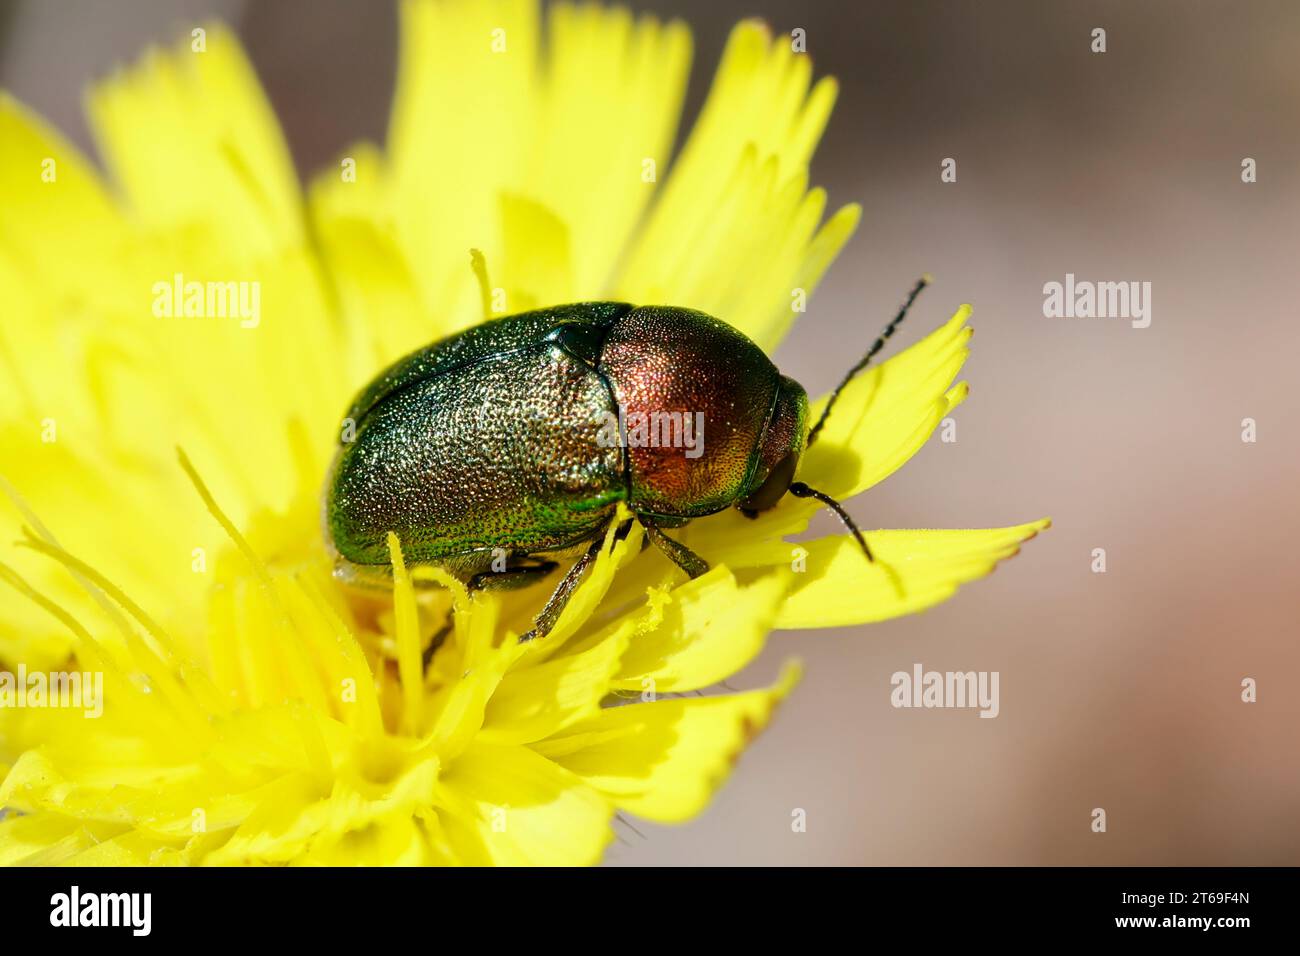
point(800, 490)
point(876, 346)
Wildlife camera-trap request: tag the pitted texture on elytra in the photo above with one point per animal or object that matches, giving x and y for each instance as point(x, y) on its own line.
point(500, 453)
point(478, 342)
point(660, 359)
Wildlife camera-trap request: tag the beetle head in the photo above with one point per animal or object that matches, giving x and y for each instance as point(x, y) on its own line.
point(783, 443)
point(780, 448)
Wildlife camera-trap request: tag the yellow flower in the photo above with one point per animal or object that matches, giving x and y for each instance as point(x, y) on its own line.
point(255, 711)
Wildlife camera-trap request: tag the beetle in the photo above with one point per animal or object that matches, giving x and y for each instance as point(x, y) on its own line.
point(501, 450)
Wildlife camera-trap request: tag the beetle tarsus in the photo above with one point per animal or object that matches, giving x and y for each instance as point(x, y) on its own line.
point(677, 553)
point(439, 638)
point(555, 605)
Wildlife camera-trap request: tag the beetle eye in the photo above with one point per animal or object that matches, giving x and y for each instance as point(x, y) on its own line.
point(774, 486)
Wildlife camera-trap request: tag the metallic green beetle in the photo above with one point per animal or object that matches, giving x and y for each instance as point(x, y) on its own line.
point(496, 452)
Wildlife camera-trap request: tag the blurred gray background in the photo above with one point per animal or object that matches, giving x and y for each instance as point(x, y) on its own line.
point(1118, 690)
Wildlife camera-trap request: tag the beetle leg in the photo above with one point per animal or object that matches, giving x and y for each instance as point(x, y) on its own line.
point(678, 553)
point(509, 579)
point(438, 639)
point(563, 591)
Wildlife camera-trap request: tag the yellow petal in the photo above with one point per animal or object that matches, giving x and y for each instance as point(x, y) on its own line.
point(293, 809)
point(131, 849)
point(594, 138)
point(56, 218)
point(913, 570)
point(733, 232)
point(378, 293)
point(511, 807)
point(64, 487)
point(396, 840)
point(886, 414)
point(664, 760)
point(192, 140)
point(547, 135)
point(467, 75)
point(297, 819)
point(696, 634)
point(406, 614)
point(61, 270)
point(213, 198)
point(537, 264)
point(46, 839)
point(460, 707)
point(540, 696)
